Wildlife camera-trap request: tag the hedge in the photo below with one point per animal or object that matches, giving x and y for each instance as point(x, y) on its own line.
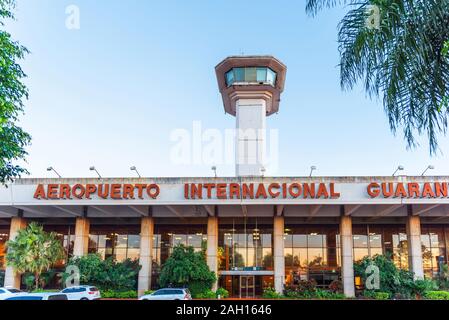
point(110, 294)
point(436, 295)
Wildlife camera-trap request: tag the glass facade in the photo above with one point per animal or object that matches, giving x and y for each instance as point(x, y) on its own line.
point(4, 237)
point(434, 240)
point(118, 242)
point(370, 240)
point(66, 235)
point(311, 252)
point(245, 245)
point(259, 75)
point(168, 236)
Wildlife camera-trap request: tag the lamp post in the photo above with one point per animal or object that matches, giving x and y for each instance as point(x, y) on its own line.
point(429, 167)
point(312, 169)
point(399, 168)
point(95, 169)
point(133, 168)
point(53, 169)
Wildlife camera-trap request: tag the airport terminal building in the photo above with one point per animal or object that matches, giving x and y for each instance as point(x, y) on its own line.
point(260, 231)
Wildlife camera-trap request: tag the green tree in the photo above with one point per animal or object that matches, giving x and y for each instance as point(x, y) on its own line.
point(187, 268)
point(13, 91)
point(106, 274)
point(401, 58)
point(34, 251)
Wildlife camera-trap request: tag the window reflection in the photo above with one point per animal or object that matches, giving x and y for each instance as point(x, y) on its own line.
point(117, 242)
point(244, 244)
point(257, 75)
point(311, 253)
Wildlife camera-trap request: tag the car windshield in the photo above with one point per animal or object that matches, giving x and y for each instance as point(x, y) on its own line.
point(14, 290)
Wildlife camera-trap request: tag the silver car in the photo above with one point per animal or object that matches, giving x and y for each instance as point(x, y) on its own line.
point(168, 294)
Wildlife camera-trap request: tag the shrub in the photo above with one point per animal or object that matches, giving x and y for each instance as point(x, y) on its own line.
point(437, 295)
point(111, 294)
point(208, 294)
point(106, 274)
point(222, 293)
point(148, 292)
point(307, 286)
point(187, 268)
point(398, 283)
point(420, 287)
point(336, 286)
point(270, 293)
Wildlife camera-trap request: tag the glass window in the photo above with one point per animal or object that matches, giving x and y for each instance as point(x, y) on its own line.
point(261, 74)
point(239, 74)
point(271, 77)
point(230, 78)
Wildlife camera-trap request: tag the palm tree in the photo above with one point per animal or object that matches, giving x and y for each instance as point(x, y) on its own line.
point(402, 58)
point(34, 250)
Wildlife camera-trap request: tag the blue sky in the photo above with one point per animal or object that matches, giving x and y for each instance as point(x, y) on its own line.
point(110, 93)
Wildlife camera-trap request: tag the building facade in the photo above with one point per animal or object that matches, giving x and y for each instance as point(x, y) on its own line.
point(260, 232)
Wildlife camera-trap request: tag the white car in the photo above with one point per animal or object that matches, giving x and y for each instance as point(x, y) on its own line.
point(6, 293)
point(82, 293)
point(168, 294)
point(39, 296)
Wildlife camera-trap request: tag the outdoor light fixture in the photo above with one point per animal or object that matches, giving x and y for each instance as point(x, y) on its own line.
point(312, 169)
point(399, 168)
point(262, 171)
point(133, 168)
point(429, 167)
point(53, 169)
point(94, 169)
point(214, 169)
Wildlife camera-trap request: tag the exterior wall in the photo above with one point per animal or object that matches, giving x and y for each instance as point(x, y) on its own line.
point(250, 146)
point(347, 263)
point(279, 259)
point(81, 246)
point(146, 255)
point(414, 246)
point(212, 246)
point(12, 278)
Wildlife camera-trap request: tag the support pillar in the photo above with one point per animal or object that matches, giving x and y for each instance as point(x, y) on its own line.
point(414, 246)
point(12, 278)
point(347, 260)
point(212, 247)
point(279, 259)
point(146, 255)
point(81, 246)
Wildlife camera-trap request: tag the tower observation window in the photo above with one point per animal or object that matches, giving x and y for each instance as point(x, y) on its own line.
point(251, 75)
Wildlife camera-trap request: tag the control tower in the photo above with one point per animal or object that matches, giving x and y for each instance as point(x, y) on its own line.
point(251, 88)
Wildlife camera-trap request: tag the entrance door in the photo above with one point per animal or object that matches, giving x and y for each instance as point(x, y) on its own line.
point(247, 287)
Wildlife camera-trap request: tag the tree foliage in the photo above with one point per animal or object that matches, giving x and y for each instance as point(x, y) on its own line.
point(403, 61)
point(398, 283)
point(187, 268)
point(34, 251)
point(13, 139)
point(106, 274)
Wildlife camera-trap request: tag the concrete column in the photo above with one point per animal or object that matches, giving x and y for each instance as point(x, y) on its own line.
point(146, 254)
point(250, 147)
point(12, 278)
point(279, 259)
point(347, 260)
point(81, 246)
point(212, 247)
point(414, 246)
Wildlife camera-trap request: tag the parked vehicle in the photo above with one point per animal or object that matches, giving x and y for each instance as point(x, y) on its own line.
point(82, 293)
point(6, 293)
point(39, 296)
point(168, 294)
